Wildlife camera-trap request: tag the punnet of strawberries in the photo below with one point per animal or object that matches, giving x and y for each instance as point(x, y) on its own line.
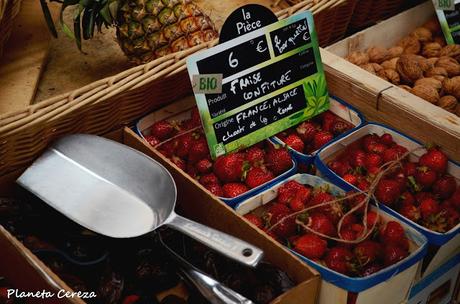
point(313, 134)
point(356, 252)
point(421, 190)
point(229, 176)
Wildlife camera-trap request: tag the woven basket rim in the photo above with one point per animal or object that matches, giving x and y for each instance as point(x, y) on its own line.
point(58, 106)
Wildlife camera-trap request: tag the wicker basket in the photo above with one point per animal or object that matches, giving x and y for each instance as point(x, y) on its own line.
point(368, 12)
point(8, 11)
point(116, 101)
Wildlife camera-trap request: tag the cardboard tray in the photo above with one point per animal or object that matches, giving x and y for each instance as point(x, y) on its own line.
point(341, 109)
point(193, 202)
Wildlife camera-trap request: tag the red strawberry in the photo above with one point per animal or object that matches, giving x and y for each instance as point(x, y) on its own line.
point(210, 178)
point(195, 119)
point(367, 252)
point(428, 207)
point(391, 154)
point(310, 246)
point(184, 142)
point(410, 169)
point(358, 158)
point(387, 191)
point(152, 140)
point(320, 198)
point(377, 148)
point(179, 163)
point(451, 214)
point(322, 224)
point(285, 226)
point(348, 234)
point(373, 171)
point(434, 159)
point(321, 138)
point(295, 142)
point(275, 210)
point(370, 269)
point(278, 160)
point(393, 232)
point(234, 189)
point(339, 259)
point(373, 160)
point(254, 219)
point(307, 131)
point(332, 210)
point(215, 189)
point(303, 194)
point(229, 168)
point(363, 185)
point(393, 254)
point(255, 156)
point(407, 198)
point(349, 220)
point(455, 199)
point(358, 229)
point(425, 177)
point(162, 130)
point(356, 200)
point(371, 219)
point(369, 141)
point(328, 119)
point(198, 150)
point(131, 299)
point(204, 166)
point(296, 204)
point(168, 148)
point(340, 126)
point(340, 168)
point(258, 176)
point(287, 191)
point(191, 170)
point(350, 178)
point(445, 186)
point(386, 139)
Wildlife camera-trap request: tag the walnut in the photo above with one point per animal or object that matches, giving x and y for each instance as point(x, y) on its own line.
point(390, 64)
point(429, 82)
point(377, 67)
point(422, 34)
point(433, 25)
point(392, 76)
point(382, 75)
point(436, 71)
point(431, 49)
point(410, 44)
point(451, 86)
point(409, 68)
point(428, 93)
point(425, 64)
point(439, 77)
point(368, 67)
point(448, 103)
point(395, 51)
point(450, 64)
point(451, 50)
point(440, 39)
point(405, 87)
point(377, 54)
point(358, 58)
point(432, 60)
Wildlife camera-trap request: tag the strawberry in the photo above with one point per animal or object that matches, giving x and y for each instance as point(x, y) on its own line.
point(363, 185)
point(340, 126)
point(321, 138)
point(307, 131)
point(303, 194)
point(296, 204)
point(168, 148)
point(286, 227)
point(369, 140)
point(195, 119)
point(210, 178)
point(358, 229)
point(255, 220)
point(131, 299)
point(332, 210)
point(349, 220)
point(348, 234)
point(184, 142)
point(258, 176)
point(198, 150)
point(393, 232)
point(339, 259)
point(287, 191)
point(328, 119)
point(377, 148)
point(370, 269)
point(310, 246)
point(152, 140)
point(234, 189)
point(339, 167)
point(350, 178)
point(278, 160)
point(191, 170)
point(367, 252)
point(391, 154)
point(295, 142)
point(229, 168)
point(450, 214)
point(179, 163)
point(420, 196)
point(204, 166)
point(322, 224)
point(393, 254)
point(255, 156)
point(356, 200)
point(410, 169)
point(371, 219)
point(275, 210)
point(162, 130)
point(428, 207)
point(358, 158)
point(387, 139)
point(373, 160)
point(455, 199)
point(373, 171)
point(387, 191)
point(445, 186)
point(320, 198)
point(434, 159)
point(425, 177)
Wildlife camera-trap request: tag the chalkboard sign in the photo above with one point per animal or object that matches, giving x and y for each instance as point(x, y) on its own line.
point(271, 79)
point(448, 12)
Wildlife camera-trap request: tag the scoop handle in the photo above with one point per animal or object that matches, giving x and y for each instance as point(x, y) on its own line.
point(229, 246)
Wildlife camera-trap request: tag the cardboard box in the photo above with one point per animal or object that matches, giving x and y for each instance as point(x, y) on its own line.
point(193, 202)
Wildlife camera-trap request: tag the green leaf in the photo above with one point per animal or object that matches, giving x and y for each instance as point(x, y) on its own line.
point(88, 23)
point(296, 116)
point(311, 101)
point(113, 8)
point(64, 26)
point(48, 18)
point(105, 13)
point(77, 31)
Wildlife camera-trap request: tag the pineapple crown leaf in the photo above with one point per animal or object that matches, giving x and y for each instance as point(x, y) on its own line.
point(48, 18)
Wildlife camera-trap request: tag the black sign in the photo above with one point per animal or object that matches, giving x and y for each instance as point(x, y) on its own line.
point(453, 17)
point(290, 37)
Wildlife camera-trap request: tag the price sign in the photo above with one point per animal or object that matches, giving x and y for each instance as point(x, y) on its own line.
point(448, 12)
point(271, 79)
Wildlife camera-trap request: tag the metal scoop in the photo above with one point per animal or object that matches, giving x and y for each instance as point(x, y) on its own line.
point(119, 192)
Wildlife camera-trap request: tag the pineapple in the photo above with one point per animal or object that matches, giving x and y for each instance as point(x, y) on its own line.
point(146, 29)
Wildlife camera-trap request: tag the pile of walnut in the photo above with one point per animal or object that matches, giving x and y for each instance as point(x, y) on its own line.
point(420, 63)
